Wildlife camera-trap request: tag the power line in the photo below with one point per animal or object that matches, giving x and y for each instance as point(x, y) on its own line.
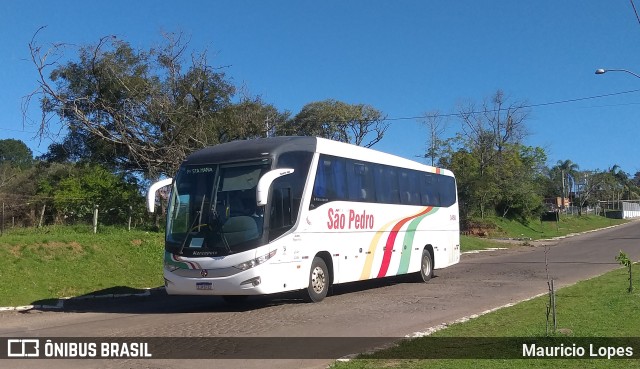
point(566, 101)
point(523, 106)
point(635, 10)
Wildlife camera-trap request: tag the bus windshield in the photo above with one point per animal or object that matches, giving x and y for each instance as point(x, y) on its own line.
point(213, 211)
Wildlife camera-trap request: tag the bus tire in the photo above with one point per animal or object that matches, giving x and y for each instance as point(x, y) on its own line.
point(426, 266)
point(318, 281)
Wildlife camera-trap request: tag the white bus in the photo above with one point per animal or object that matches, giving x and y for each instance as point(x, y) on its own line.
point(302, 213)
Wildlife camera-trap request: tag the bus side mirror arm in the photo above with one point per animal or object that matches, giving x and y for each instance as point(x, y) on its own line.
point(262, 190)
point(151, 195)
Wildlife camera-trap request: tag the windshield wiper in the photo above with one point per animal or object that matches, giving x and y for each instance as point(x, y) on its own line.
point(214, 218)
point(217, 229)
point(186, 236)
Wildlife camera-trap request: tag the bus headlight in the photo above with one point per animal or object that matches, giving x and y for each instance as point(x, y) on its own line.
point(255, 262)
point(170, 267)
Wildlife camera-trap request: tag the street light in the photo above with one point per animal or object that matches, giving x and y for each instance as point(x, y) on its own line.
point(603, 71)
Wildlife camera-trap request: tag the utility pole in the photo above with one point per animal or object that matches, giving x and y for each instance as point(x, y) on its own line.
point(563, 191)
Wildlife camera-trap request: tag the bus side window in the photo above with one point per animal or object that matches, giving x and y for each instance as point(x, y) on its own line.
point(360, 181)
point(429, 189)
point(340, 179)
point(382, 196)
point(280, 218)
point(300, 162)
point(405, 193)
point(391, 179)
point(330, 182)
point(319, 195)
point(385, 180)
point(447, 189)
point(409, 192)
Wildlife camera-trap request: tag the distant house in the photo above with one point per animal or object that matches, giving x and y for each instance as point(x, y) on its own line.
point(555, 203)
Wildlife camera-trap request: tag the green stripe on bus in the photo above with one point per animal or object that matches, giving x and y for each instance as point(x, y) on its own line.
point(168, 260)
point(407, 245)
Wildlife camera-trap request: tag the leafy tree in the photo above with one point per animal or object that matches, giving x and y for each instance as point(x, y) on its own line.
point(623, 182)
point(636, 179)
point(520, 182)
point(25, 200)
point(140, 110)
point(488, 158)
point(15, 153)
point(466, 168)
point(591, 188)
point(567, 170)
point(72, 190)
point(510, 188)
point(360, 124)
point(251, 118)
point(16, 162)
point(80, 145)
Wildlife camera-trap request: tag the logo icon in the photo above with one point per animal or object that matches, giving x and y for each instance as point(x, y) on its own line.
point(204, 273)
point(23, 348)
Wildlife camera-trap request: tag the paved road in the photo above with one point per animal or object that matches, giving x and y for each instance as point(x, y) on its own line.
point(386, 308)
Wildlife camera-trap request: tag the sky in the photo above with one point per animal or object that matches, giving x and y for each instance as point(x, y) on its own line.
point(405, 58)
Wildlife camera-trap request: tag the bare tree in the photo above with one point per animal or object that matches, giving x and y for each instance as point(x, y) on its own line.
point(436, 126)
point(498, 120)
point(488, 129)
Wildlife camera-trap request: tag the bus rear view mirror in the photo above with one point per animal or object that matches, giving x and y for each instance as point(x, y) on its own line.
point(151, 196)
point(262, 190)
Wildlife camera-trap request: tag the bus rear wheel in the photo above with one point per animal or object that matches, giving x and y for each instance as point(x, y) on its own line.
point(318, 281)
point(426, 266)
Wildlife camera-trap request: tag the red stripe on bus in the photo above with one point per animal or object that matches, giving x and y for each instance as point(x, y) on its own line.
point(191, 264)
point(386, 258)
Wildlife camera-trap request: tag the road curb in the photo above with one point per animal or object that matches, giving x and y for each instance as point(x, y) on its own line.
point(60, 303)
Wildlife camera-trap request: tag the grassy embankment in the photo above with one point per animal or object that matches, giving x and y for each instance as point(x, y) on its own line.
point(599, 307)
point(54, 262)
point(534, 230)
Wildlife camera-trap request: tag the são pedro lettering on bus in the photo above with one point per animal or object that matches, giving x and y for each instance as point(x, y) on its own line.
point(337, 219)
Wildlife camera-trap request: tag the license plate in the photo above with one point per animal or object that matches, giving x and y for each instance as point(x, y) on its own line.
point(204, 286)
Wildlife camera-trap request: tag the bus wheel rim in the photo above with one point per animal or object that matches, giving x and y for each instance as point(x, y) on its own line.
point(426, 265)
point(317, 280)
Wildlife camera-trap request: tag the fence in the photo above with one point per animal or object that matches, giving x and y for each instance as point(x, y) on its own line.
point(576, 210)
point(38, 214)
point(624, 209)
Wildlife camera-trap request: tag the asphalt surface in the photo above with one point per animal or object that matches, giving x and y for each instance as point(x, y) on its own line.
point(360, 316)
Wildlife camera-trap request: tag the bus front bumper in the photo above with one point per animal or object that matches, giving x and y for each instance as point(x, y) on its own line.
point(248, 282)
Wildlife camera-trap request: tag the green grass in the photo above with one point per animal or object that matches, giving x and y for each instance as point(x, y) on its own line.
point(468, 243)
point(53, 262)
point(599, 307)
point(536, 229)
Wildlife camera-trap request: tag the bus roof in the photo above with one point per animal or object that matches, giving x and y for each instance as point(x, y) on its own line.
point(274, 146)
point(251, 149)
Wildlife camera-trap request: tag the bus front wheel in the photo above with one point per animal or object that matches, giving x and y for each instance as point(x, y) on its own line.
point(318, 281)
point(426, 266)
